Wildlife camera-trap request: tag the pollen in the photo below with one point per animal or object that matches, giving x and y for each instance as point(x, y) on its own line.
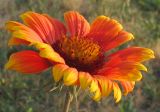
point(80, 51)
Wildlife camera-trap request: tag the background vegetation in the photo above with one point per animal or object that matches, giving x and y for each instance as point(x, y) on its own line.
point(20, 93)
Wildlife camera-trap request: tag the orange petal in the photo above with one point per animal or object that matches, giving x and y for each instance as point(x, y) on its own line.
point(125, 71)
point(28, 62)
point(85, 79)
point(46, 51)
point(121, 38)
point(121, 75)
point(58, 71)
point(104, 29)
point(105, 85)
point(59, 28)
point(127, 86)
point(77, 24)
point(17, 41)
point(21, 34)
point(117, 92)
point(133, 54)
point(43, 26)
point(70, 76)
point(129, 66)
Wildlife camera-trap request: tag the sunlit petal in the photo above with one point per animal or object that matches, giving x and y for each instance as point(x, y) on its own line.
point(28, 62)
point(121, 38)
point(45, 27)
point(46, 51)
point(21, 34)
point(105, 85)
point(117, 92)
point(59, 28)
point(131, 54)
point(125, 71)
point(104, 29)
point(127, 86)
point(97, 95)
point(70, 76)
point(95, 90)
point(77, 24)
point(58, 70)
point(85, 79)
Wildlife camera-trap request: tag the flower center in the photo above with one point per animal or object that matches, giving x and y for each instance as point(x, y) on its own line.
point(81, 53)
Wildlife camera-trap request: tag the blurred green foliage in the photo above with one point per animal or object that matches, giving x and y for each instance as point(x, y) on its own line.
point(21, 93)
point(149, 5)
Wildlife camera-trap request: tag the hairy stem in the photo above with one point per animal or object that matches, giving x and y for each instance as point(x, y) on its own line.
point(68, 101)
point(75, 92)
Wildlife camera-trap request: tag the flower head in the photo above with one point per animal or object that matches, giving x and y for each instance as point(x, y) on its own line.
point(76, 52)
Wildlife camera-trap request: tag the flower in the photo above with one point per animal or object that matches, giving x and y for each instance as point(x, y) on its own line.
point(76, 53)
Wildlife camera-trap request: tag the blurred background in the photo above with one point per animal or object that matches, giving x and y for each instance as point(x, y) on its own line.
point(21, 93)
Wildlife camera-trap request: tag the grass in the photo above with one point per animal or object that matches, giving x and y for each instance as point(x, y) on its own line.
point(20, 93)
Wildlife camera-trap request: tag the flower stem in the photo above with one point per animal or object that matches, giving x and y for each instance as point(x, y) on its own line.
point(68, 101)
point(75, 93)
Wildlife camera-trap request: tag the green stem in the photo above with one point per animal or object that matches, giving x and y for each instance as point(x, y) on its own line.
point(68, 101)
point(75, 92)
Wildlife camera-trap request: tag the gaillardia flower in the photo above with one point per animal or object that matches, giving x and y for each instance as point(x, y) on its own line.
point(77, 52)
